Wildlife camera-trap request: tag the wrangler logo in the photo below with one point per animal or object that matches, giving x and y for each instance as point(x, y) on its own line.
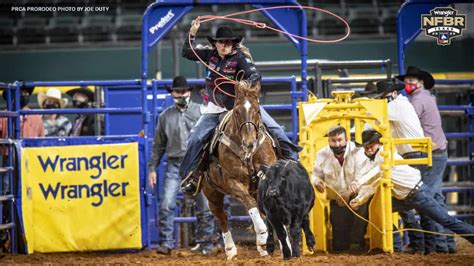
point(443, 23)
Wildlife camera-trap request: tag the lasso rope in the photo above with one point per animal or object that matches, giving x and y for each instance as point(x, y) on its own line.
point(396, 231)
point(261, 25)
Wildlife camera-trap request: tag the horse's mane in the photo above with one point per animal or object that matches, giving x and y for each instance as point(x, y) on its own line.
point(245, 88)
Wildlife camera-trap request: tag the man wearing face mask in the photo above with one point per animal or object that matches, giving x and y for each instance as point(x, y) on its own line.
point(408, 189)
point(84, 124)
point(417, 85)
point(54, 124)
point(172, 130)
point(335, 167)
point(403, 124)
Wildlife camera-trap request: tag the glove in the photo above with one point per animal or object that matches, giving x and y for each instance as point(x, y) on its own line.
point(194, 27)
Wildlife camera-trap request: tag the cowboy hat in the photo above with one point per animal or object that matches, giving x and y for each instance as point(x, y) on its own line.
point(369, 136)
point(84, 90)
point(179, 84)
point(30, 90)
point(386, 86)
point(413, 71)
point(52, 93)
point(224, 33)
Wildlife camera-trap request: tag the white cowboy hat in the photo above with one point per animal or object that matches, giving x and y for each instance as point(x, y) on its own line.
point(52, 93)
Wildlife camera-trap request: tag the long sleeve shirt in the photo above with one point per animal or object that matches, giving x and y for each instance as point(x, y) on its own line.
point(430, 118)
point(229, 67)
point(403, 122)
point(31, 126)
point(172, 131)
point(328, 169)
point(404, 177)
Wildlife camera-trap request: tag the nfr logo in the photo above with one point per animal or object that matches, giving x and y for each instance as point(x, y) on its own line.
point(443, 23)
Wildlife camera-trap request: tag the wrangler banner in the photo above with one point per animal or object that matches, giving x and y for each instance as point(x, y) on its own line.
point(81, 197)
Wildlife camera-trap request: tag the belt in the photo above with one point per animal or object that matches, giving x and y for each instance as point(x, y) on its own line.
point(414, 155)
point(413, 192)
point(439, 151)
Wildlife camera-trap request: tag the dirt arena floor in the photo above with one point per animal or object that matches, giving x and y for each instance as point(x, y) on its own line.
point(247, 256)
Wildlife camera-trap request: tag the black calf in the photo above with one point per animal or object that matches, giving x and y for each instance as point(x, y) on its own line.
point(286, 196)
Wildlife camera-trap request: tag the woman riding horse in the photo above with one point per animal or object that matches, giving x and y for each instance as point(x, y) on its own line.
point(228, 57)
point(245, 149)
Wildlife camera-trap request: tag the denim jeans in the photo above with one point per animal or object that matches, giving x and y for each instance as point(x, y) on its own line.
point(171, 184)
point(417, 239)
point(204, 129)
point(433, 178)
point(426, 205)
point(205, 225)
point(347, 229)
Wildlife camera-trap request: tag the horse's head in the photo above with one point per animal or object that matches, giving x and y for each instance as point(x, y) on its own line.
point(247, 115)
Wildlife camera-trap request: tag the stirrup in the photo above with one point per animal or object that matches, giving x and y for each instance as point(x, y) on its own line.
point(191, 185)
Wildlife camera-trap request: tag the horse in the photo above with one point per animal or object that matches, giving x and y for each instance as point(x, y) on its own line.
point(244, 148)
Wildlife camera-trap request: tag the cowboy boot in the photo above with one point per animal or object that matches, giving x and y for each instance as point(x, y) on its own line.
point(190, 184)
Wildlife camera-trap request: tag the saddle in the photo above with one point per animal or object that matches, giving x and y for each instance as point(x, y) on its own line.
point(220, 137)
point(210, 149)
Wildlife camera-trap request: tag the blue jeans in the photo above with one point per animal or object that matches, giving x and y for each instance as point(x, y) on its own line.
point(426, 205)
point(171, 184)
point(205, 225)
point(417, 239)
point(204, 128)
point(432, 177)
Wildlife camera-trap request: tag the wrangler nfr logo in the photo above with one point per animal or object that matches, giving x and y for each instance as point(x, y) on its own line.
point(443, 23)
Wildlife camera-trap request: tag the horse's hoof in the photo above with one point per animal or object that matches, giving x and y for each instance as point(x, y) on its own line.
point(232, 257)
point(231, 253)
point(262, 251)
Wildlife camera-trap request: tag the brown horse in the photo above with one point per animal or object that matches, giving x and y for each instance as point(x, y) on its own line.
point(244, 146)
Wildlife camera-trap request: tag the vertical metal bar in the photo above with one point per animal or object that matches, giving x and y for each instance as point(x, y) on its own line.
point(294, 110)
point(144, 72)
point(106, 115)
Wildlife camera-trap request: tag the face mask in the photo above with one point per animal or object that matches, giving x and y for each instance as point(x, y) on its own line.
point(372, 157)
point(50, 106)
point(24, 100)
point(79, 104)
point(410, 88)
point(338, 150)
point(205, 98)
point(389, 98)
point(181, 101)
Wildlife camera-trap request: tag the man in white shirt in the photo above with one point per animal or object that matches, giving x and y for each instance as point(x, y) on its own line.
point(335, 167)
point(404, 124)
point(409, 192)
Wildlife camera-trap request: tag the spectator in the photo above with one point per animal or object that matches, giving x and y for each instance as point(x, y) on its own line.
point(54, 124)
point(84, 124)
point(417, 86)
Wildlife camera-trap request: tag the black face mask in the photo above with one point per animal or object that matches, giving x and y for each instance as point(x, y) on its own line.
point(50, 106)
point(372, 157)
point(79, 104)
point(338, 150)
point(24, 100)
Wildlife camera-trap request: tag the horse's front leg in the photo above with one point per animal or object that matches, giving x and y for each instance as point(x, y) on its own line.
point(240, 191)
point(216, 205)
